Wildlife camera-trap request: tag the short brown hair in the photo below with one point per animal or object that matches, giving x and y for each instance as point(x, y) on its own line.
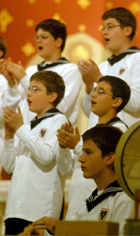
point(124, 17)
point(56, 28)
point(53, 83)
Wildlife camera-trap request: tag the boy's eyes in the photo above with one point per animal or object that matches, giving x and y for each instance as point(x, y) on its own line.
point(88, 152)
point(98, 91)
point(34, 89)
point(42, 36)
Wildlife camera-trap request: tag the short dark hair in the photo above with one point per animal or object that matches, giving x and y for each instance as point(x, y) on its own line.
point(119, 88)
point(3, 47)
point(106, 137)
point(56, 28)
point(124, 17)
point(53, 83)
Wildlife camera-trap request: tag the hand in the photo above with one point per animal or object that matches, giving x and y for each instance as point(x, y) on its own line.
point(12, 118)
point(90, 73)
point(47, 223)
point(17, 70)
point(8, 75)
point(31, 230)
point(68, 137)
point(9, 132)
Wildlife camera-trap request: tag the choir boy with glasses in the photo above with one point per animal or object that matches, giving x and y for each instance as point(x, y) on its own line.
point(108, 98)
point(29, 153)
point(50, 42)
point(119, 29)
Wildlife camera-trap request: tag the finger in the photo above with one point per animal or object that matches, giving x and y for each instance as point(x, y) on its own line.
point(77, 130)
point(67, 127)
point(19, 111)
point(62, 126)
point(93, 62)
point(72, 129)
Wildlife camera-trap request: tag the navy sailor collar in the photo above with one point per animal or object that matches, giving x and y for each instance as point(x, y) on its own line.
point(113, 121)
point(43, 65)
point(111, 189)
point(49, 113)
point(115, 58)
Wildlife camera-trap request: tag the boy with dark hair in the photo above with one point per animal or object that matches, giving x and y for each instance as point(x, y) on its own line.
point(30, 155)
point(119, 28)
point(108, 202)
point(56, 28)
point(50, 41)
point(124, 17)
point(109, 96)
point(119, 88)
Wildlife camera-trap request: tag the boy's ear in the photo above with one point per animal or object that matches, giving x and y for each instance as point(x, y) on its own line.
point(59, 42)
point(117, 102)
point(128, 30)
point(53, 97)
point(110, 159)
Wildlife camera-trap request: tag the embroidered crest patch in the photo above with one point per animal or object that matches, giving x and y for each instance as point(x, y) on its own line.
point(103, 214)
point(42, 132)
point(122, 70)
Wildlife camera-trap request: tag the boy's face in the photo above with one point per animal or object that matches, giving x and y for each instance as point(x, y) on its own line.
point(102, 99)
point(92, 163)
point(116, 38)
point(46, 45)
point(38, 99)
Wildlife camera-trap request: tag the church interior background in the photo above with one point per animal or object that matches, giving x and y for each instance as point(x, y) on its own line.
point(82, 18)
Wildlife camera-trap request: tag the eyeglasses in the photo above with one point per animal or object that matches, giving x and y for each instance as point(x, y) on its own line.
point(100, 92)
point(42, 37)
point(34, 89)
point(108, 27)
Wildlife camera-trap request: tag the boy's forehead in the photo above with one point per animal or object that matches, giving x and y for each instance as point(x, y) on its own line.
point(104, 85)
point(40, 30)
point(34, 82)
point(110, 20)
point(89, 144)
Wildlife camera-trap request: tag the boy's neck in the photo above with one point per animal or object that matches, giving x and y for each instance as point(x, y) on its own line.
point(124, 47)
point(54, 57)
point(102, 183)
point(43, 112)
point(106, 118)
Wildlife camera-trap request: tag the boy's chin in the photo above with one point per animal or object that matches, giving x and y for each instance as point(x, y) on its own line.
point(32, 110)
point(86, 176)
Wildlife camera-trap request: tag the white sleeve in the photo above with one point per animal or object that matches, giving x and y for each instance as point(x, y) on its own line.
point(73, 87)
point(86, 104)
point(8, 157)
point(65, 161)
point(66, 158)
point(133, 105)
point(40, 150)
point(122, 210)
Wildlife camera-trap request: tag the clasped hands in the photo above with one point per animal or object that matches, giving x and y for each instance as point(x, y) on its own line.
point(13, 72)
point(68, 136)
point(12, 121)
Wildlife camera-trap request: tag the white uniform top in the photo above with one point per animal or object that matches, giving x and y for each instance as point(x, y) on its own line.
point(36, 188)
point(127, 69)
point(80, 188)
point(69, 105)
point(116, 208)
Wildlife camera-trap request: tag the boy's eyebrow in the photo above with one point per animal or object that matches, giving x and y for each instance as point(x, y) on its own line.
point(100, 88)
point(86, 149)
